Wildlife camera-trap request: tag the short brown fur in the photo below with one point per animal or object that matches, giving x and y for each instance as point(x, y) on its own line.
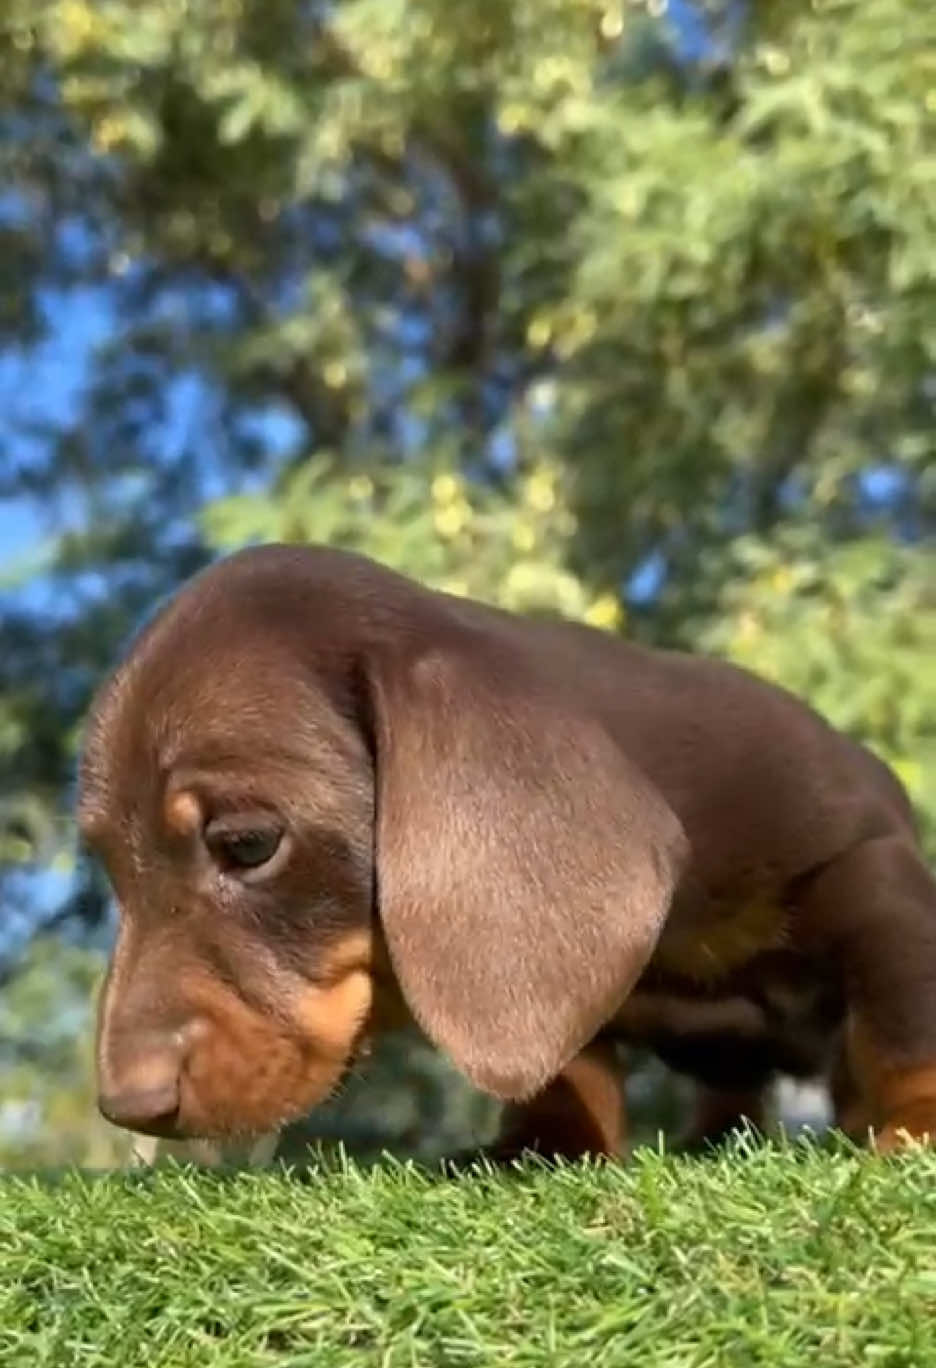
point(530, 838)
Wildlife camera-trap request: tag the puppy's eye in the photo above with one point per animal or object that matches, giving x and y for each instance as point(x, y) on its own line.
point(243, 847)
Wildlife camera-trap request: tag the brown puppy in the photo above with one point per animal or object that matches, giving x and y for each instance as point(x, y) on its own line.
point(328, 798)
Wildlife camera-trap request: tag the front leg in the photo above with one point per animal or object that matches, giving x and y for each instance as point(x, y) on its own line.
point(721, 1112)
point(580, 1113)
point(874, 909)
point(850, 1106)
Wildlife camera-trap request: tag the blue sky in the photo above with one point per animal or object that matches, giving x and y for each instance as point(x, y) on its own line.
point(44, 382)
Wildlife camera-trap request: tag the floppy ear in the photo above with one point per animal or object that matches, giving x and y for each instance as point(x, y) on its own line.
point(524, 866)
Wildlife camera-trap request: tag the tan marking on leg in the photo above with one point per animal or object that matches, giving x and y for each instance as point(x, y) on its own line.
point(908, 1103)
point(901, 1097)
point(581, 1112)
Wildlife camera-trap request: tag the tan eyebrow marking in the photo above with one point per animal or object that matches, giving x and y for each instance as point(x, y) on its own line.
point(183, 812)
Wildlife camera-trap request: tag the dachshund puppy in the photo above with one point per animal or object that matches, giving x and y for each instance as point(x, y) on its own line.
point(331, 801)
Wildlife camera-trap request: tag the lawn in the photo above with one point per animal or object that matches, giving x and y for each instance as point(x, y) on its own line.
point(786, 1255)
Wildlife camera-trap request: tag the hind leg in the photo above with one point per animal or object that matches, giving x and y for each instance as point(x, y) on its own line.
point(873, 911)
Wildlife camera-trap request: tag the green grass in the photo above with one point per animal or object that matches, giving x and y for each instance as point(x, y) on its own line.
point(772, 1256)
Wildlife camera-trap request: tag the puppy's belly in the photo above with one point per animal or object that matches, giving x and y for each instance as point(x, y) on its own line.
point(737, 1035)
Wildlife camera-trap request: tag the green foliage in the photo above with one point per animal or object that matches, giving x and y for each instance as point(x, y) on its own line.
point(458, 535)
point(47, 1111)
point(852, 628)
point(531, 296)
point(824, 1258)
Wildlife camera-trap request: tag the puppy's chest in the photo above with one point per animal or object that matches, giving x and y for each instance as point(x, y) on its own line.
point(779, 1017)
point(727, 993)
point(708, 940)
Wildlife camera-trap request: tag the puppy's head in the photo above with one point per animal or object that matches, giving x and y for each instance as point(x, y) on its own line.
point(318, 789)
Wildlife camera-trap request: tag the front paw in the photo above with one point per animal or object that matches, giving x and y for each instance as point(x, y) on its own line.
point(911, 1126)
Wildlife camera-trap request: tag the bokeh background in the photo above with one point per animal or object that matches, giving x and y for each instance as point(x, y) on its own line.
point(617, 310)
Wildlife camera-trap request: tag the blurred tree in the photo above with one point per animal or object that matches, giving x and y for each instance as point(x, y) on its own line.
point(618, 311)
point(47, 1112)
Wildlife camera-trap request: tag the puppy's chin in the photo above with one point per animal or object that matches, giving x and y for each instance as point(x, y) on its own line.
point(238, 1109)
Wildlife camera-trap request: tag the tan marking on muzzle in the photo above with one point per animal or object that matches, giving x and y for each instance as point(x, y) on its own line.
point(331, 1012)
